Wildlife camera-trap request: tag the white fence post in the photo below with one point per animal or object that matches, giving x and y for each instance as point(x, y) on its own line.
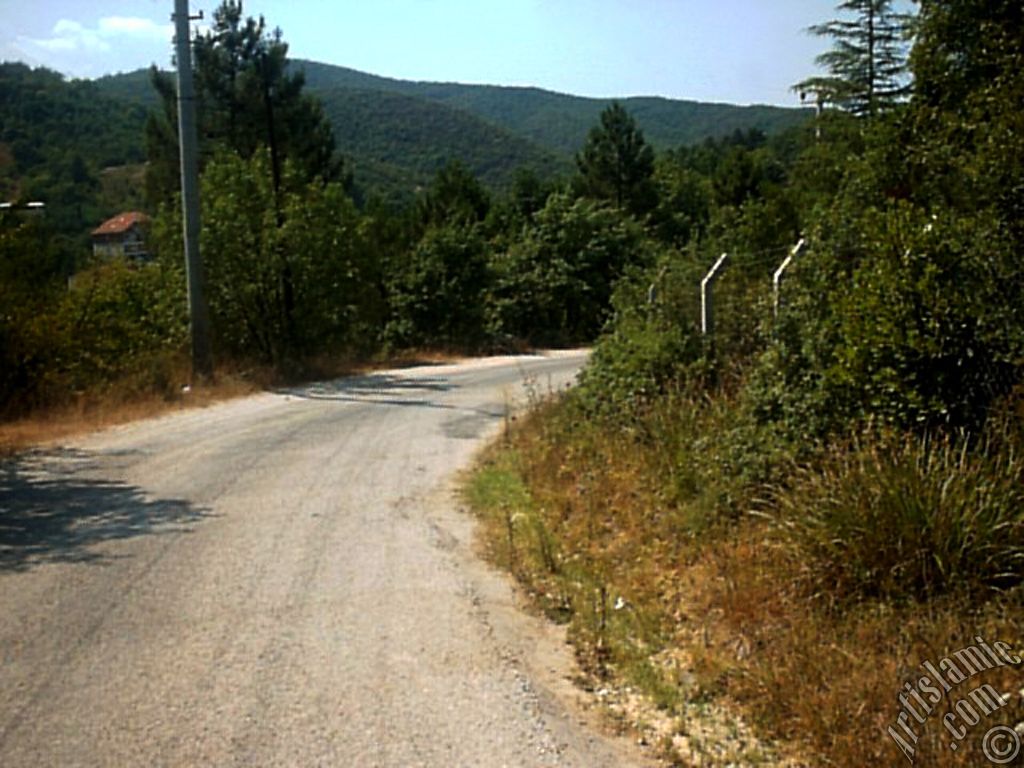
point(707, 304)
point(777, 277)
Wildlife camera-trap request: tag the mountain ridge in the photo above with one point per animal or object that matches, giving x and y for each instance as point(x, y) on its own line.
point(560, 121)
point(398, 133)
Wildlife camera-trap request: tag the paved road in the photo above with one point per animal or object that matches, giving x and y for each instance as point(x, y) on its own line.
point(279, 580)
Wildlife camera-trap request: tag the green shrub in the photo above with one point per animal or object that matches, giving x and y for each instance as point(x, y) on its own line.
point(898, 316)
point(554, 285)
point(909, 517)
point(437, 291)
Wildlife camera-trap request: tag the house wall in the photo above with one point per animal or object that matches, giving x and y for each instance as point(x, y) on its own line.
point(130, 245)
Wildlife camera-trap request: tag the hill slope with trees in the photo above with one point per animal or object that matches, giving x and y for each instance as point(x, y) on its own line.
point(560, 121)
point(55, 139)
point(397, 133)
point(393, 137)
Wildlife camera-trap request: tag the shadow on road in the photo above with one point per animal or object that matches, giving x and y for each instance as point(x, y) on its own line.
point(383, 388)
point(387, 389)
point(50, 513)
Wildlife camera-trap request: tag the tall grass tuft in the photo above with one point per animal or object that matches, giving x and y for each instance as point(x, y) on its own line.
point(910, 517)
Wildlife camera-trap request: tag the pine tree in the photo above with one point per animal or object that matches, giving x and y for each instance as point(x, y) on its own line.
point(249, 97)
point(617, 164)
point(868, 60)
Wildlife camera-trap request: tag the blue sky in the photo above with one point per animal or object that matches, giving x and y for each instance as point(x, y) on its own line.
point(736, 51)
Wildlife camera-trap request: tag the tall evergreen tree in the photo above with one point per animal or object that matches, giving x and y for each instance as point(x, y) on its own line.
point(617, 164)
point(868, 60)
point(249, 97)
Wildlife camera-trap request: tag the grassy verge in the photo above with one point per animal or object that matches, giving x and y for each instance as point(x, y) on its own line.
point(775, 610)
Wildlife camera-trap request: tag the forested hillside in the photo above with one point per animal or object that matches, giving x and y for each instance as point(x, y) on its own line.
point(397, 139)
point(397, 133)
point(55, 139)
point(559, 121)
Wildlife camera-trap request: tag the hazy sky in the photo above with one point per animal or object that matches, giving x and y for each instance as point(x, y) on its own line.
point(738, 51)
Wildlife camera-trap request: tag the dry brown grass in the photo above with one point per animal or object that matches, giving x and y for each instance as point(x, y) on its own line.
point(135, 399)
point(580, 515)
point(829, 678)
point(98, 410)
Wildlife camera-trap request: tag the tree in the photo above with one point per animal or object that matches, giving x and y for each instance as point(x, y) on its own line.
point(249, 97)
point(867, 62)
point(555, 284)
point(963, 46)
point(617, 164)
point(456, 196)
point(437, 291)
point(685, 197)
point(287, 283)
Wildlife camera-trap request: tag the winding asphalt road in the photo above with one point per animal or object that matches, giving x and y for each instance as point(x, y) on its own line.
point(280, 580)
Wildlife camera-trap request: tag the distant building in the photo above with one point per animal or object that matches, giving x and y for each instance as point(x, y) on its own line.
point(122, 236)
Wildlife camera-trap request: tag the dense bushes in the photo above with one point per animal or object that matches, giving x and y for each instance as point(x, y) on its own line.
point(114, 323)
point(288, 273)
point(437, 292)
point(554, 284)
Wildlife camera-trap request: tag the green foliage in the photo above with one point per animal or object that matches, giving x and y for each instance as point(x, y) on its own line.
point(118, 320)
point(963, 47)
point(909, 518)
point(56, 137)
point(904, 322)
point(437, 292)
point(684, 203)
point(653, 343)
point(616, 164)
point(40, 111)
point(560, 122)
point(455, 197)
point(285, 282)
point(722, 196)
point(907, 308)
point(29, 284)
point(248, 98)
point(554, 284)
point(398, 142)
point(396, 134)
point(115, 321)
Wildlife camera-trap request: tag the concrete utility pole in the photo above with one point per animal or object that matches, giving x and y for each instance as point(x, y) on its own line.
point(199, 316)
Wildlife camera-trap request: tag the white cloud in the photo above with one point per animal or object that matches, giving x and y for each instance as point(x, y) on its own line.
point(135, 26)
point(69, 35)
point(116, 42)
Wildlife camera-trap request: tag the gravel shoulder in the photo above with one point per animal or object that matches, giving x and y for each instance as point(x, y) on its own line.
point(279, 580)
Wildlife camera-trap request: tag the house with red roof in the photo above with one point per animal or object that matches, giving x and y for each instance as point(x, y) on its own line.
point(123, 236)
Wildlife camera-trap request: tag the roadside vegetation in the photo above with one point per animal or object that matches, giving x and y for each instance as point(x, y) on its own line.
point(790, 517)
